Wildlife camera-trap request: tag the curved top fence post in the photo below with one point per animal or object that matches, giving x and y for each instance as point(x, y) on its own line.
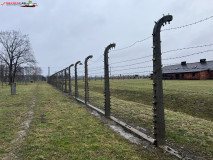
point(65, 80)
point(86, 79)
point(76, 81)
point(106, 79)
point(158, 106)
point(70, 89)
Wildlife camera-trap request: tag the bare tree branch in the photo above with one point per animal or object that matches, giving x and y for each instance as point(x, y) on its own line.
point(16, 50)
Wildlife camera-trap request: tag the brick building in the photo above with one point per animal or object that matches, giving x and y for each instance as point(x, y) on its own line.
point(189, 71)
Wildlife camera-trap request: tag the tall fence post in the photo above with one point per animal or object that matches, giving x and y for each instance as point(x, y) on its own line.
point(61, 80)
point(70, 88)
point(86, 79)
point(106, 80)
point(76, 80)
point(57, 80)
point(65, 75)
point(158, 106)
point(53, 79)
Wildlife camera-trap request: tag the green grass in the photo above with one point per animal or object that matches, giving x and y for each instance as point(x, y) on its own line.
point(13, 111)
point(191, 97)
point(61, 129)
point(188, 108)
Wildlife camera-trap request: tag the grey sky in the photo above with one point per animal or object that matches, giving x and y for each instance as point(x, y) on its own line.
point(63, 32)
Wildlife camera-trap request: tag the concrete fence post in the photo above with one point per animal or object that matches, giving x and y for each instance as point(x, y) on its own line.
point(106, 80)
point(86, 79)
point(70, 87)
point(62, 73)
point(158, 106)
point(61, 80)
point(65, 76)
point(57, 80)
point(76, 79)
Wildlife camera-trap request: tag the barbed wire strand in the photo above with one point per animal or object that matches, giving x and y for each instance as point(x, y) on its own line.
point(173, 50)
point(132, 59)
point(187, 25)
point(133, 64)
point(126, 83)
point(91, 69)
point(189, 55)
point(186, 48)
point(96, 72)
point(94, 69)
point(131, 68)
point(98, 59)
point(137, 72)
point(139, 41)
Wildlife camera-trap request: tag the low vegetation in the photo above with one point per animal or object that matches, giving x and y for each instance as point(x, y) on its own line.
point(188, 109)
point(60, 129)
point(13, 111)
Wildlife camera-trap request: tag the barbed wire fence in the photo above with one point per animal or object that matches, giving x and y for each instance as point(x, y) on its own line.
point(120, 77)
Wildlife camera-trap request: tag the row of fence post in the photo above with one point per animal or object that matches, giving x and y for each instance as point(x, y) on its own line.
point(60, 78)
point(86, 87)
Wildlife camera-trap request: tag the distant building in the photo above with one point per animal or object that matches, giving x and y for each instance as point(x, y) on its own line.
point(189, 71)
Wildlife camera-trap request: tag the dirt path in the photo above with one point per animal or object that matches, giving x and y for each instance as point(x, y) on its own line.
point(15, 144)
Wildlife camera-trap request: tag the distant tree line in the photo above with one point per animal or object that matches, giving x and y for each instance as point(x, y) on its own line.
point(23, 74)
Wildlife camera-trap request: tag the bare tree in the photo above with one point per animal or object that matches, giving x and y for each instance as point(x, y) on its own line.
point(37, 73)
point(32, 73)
point(16, 50)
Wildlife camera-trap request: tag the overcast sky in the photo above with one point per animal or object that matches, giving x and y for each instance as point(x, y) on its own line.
point(63, 32)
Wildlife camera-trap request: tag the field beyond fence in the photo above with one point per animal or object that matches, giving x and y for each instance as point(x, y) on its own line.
point(188, 109)
point(176, 113)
